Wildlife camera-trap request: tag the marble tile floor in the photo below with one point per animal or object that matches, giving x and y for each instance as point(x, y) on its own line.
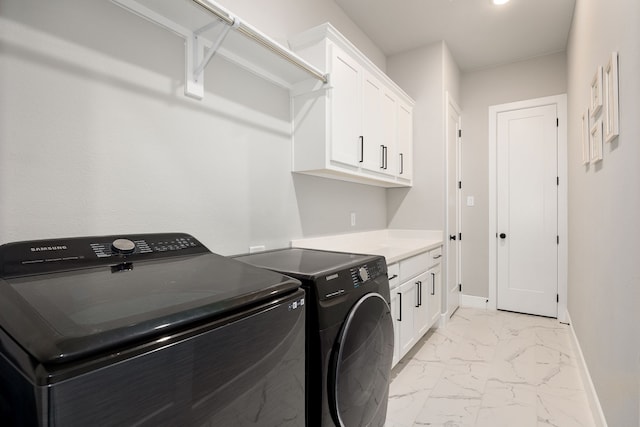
point(490, 369)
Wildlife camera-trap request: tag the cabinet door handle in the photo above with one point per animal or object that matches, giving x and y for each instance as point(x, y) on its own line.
point(400, 311)
point(401, 163)
point(433, 283)
point(393, 277)
point(361, 148)
point(385, 156)
point(381, 156)
point(417, 294)
point(420, 293)
point(437, 256)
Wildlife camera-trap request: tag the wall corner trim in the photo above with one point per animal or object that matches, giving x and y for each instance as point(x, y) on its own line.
point(587, 383)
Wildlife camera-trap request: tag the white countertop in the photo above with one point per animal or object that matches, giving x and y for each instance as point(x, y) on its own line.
point(393, 244)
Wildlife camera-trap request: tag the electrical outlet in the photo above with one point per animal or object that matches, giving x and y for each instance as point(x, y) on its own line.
point(353, 219)
point(257, 248)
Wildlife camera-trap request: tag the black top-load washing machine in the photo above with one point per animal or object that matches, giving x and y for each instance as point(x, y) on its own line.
point(349, 332)
point(147, 330)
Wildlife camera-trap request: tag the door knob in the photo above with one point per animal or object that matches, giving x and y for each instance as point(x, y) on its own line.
point(452, 237)
point(503, 236)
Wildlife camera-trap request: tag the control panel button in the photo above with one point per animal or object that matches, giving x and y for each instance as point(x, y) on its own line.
point(123, 246)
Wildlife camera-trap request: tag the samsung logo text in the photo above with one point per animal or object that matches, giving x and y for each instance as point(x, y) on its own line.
point(49, 248)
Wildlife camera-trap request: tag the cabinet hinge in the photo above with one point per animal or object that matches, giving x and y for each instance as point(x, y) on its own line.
point(460, 287)
point(459, 184)
point(459, 133)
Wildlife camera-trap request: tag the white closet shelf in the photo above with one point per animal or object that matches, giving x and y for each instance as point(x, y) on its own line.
point(209, 29)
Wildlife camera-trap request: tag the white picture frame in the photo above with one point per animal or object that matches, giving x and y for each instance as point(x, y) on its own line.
point(586, 150)
point(611, 91)
point(596, 93)
point(595, 141)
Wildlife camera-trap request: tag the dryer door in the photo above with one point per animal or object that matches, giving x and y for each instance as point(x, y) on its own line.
point(361, 364)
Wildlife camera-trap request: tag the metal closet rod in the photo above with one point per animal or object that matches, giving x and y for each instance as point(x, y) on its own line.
point(220, 13)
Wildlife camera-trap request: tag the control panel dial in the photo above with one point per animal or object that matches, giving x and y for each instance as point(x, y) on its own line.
point(363, 274)
point(123, 247)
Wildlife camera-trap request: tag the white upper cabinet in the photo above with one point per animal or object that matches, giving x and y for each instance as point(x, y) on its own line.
point(346, 104)
point(372, 158)
point(404, 159)
point(359, 126)
point(389, 132)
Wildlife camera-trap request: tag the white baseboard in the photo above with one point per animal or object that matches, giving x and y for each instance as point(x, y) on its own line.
point(473, 301)
point(590, 390)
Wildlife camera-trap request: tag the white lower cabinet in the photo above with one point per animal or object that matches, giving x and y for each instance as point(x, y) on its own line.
point(416, 295)
point(404, 318)
point(395, 312)
point(421, 320)
point(434, 279)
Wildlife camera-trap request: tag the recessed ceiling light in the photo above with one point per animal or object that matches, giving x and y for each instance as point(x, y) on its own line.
point(500, 1)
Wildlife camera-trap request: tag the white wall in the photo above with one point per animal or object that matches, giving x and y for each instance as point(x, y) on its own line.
point(538, 77)
point(96, 136)
point(425, 74)
point(281, 19)
point(452, 76)
point(604, 201)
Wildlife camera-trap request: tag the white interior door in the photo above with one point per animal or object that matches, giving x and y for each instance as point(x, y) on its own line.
point(454, 126)
point(527, 210)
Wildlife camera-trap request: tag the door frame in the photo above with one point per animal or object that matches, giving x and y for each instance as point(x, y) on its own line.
point(561, 104)
point(450, 101)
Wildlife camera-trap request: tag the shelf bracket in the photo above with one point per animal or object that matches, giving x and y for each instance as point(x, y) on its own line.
point(198, 56)
point(309, 86)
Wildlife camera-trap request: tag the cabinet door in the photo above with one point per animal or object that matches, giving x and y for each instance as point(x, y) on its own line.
point(389, 133)
point(434, 281)
point(373, 152)
point(406, 294)
point(404, 159)
point(421, 306)
point(346, 120)
point(395, 314)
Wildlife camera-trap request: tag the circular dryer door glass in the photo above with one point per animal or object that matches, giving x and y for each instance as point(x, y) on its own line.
point(362, 364)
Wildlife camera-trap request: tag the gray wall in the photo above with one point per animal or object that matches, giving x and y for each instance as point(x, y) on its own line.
point(538, 77)
point(604, 201)
point(425, 74)
point(96, 136)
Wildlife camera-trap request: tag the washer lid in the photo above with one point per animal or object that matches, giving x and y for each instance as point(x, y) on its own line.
point(65, 315)
point(305, 263)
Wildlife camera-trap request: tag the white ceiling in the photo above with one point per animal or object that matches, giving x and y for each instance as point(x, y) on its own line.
point(478, 33)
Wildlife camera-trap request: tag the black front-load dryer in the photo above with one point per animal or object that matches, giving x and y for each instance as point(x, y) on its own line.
point(349, 333)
